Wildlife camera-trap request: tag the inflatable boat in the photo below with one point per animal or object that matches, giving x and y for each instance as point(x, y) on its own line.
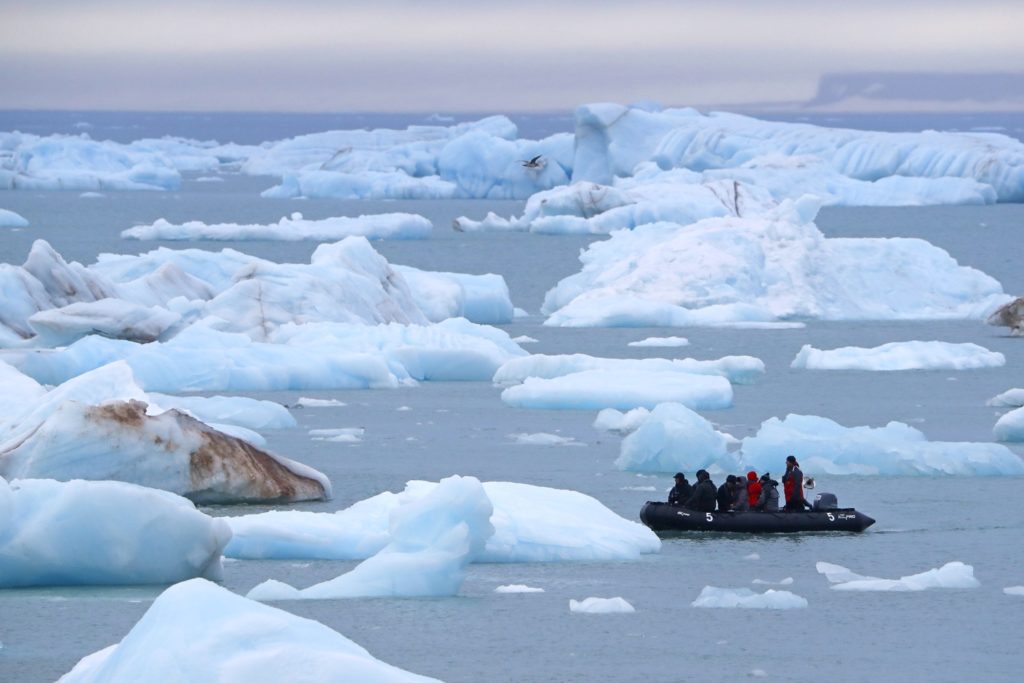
point(665, 517)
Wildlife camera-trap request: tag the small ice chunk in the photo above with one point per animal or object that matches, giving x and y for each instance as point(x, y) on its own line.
point(601, 606)
point(517, 588)
point(745, 598)
point(661, 342)
point(306, 402)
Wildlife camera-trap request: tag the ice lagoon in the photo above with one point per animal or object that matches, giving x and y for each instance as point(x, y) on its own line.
point(440, 428)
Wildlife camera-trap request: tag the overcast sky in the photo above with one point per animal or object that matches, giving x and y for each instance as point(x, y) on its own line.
point(454, 55)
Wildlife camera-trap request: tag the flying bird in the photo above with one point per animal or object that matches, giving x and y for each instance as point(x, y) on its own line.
point(536, 162)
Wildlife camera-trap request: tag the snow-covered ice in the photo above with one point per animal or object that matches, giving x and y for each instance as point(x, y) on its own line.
point(531, 524)
point(595, 605)
point(292, 228)
point(432, 540)
point(949, 575)
point(199, 632)
point(103, 532)
point(910, 355)
point(711, 596)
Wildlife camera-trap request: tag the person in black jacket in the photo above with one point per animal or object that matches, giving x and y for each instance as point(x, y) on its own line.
point(703, 497)
point(726, 494)
point(681, 492)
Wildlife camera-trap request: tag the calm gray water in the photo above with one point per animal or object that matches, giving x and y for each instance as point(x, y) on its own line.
point(463, 428)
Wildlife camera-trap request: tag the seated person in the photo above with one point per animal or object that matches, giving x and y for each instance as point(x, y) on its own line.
point(703, 496)
point(681, 492)
point(768, 500)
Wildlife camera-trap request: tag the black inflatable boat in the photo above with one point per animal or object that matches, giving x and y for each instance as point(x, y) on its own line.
point(665, 517)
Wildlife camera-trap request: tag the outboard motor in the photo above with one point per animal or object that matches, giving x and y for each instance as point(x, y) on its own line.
point(826, 501)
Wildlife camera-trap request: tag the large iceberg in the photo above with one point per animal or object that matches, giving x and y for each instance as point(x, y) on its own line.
point(775, 266)
point(479, 159)
point(198, 632)
point(431, 541)
point(672, 436)
point(612, 140)
point(911, 355)
point(290, 229)
point(531, 524)
point(103, 532)
point(822, 445)
point(98, 426)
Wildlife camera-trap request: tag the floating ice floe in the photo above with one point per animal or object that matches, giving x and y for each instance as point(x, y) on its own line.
point(710, 596)
point(531, 524)
point(1013, 398)
point(198, 631)
point(1014, 590)
point(612, 140)
point(338, 435)
point(291, 229)
point(103, 532)
point(772, 267)
point(670, 437)
point(480, 159)
point(544, 439)
point(911, 355)
point(661, 342)
point(10, 219)
point(822, 445)
point(517, 588)
point(788, 581)
point(98, 426)
point(601, 606)
point(160, 293)
point(1010, 427)
point(431, 541)
point(949, 575)
point(307, 402)
point(737, 369)
point(314, 356)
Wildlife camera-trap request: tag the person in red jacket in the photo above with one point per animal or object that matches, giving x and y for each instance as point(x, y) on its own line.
point(753, 488)
point(793, 486)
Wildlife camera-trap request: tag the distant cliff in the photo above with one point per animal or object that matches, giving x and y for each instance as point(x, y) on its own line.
point(1004, 89)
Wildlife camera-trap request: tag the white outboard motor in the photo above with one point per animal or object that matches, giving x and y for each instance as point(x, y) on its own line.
point(825, 501)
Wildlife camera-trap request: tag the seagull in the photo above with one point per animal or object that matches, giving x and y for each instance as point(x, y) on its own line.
point(536, 162)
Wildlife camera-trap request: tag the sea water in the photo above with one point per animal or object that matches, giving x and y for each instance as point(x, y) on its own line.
point(438, 429)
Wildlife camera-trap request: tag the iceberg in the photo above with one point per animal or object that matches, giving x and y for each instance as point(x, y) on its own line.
point(531, 524)
point(672, 438)
point(710, 596)
point(199, 632)
point(98, 426)
point(911, 355)
point(103, 532)
point(1010, 427)
point(777, 266)
point(10, 219)
point(949, 575)
point(1014, 590)
point(113, 318)
point(297, 357)
point(291, 229)
point(1013, 398)
point(822, 445)
point(474, 160)
point(601, 606)
point(432, 540)
point(612, 140)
